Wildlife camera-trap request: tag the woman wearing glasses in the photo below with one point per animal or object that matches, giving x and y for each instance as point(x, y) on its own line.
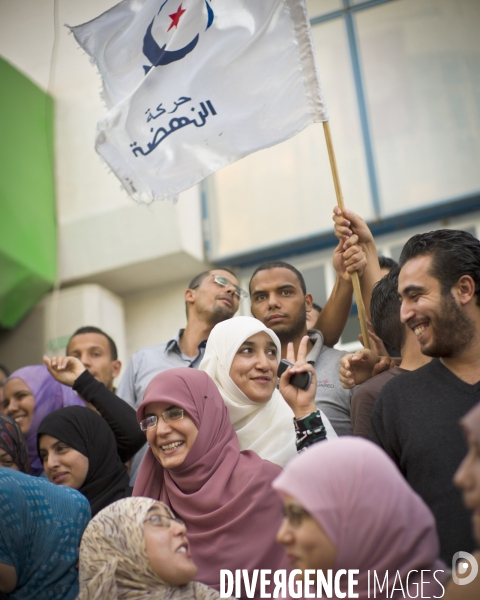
point(242, 356)
point(136, 548)
point(195, 466)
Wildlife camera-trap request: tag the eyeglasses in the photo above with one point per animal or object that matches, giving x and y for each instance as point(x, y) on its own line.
point(162, 521)
point(171, 414)
point(224, 282)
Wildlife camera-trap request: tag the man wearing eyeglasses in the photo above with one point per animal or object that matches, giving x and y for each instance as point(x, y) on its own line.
point(211, 297)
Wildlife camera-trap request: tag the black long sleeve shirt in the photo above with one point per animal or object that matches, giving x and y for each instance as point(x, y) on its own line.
point(120, 416)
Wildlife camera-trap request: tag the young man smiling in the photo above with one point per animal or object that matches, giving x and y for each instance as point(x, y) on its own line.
point(416, 415)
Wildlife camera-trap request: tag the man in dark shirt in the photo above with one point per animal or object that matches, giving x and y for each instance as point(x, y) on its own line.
point(385, 312)
point(416, 415)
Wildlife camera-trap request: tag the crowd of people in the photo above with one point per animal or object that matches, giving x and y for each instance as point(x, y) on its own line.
point(205, 459)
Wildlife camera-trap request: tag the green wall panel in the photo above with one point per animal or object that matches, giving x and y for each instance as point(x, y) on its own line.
point(28, 236)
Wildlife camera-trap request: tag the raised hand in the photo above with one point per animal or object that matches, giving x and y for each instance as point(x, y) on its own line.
point(302, 402)
point(65, 369)
point(348, 223)
point(357, 368)
point(349, 257)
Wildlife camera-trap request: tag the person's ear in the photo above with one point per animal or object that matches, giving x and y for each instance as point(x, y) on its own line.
point(464, 289)
point(190, 296)
point(116, 366)
point(308, 302)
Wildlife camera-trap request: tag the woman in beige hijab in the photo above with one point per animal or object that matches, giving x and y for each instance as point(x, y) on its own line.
point(136, 549)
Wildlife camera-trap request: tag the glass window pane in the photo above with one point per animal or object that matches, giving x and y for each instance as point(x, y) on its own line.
point(315, 282)
point(396, 251)
point(351, 331)
point(421, 68)
point(286, 192)
point(320, 7)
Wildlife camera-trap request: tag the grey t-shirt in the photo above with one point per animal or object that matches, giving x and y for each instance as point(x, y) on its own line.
point(331, 397)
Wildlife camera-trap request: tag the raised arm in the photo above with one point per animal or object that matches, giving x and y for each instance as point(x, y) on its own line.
point(118, 414)
point(348, 257)
point(308, 422)
point(348, 224)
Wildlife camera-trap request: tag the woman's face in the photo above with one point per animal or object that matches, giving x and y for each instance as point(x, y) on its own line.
point(18, 402)
point(467, 478)
point(170, 440)
point(254, 367)
point(63, 465)
point(7, 461)
point(167, 547)
point(306, 544)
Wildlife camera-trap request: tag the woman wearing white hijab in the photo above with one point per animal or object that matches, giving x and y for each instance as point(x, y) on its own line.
point(263, 420)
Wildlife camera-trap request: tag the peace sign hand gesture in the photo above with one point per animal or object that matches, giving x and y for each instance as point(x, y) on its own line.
point(302, 402)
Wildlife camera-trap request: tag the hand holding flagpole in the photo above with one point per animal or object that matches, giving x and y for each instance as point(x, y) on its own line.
point(161, 57)
point(341, 205)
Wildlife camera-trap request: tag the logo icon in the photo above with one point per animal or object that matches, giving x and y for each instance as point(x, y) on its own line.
point(460, 564)
point(167, 24)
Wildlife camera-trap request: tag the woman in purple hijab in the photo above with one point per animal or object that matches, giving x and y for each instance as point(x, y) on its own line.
point(29, 395)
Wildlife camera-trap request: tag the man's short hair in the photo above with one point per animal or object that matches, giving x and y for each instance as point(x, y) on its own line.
point(317, 307)
point(454, 253)
point(5, 370)
point(279, 264)
point(91, 329)
point(385, 310)
point(386, 263)
point(198, 279)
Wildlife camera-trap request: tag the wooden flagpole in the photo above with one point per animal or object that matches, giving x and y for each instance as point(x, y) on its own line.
point(338, 191)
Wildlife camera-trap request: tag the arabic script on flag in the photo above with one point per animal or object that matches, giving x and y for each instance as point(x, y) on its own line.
point(195, 85)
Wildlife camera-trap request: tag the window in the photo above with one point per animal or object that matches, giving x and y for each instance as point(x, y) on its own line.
point(402, 85)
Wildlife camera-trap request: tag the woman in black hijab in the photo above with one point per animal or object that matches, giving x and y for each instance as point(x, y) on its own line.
point(78, 450)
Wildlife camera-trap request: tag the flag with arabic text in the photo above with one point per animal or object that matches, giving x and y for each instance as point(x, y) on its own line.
point(194, 85)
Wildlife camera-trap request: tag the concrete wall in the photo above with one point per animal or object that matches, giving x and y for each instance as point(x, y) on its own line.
point(145, 254)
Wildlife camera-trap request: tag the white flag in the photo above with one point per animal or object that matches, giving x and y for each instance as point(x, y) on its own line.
point(194, 85)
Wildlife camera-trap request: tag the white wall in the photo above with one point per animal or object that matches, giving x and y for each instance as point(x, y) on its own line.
point(145, 253)
point(101, 228)
point(153, 316)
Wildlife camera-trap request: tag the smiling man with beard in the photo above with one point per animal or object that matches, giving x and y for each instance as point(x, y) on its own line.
point(416, 416)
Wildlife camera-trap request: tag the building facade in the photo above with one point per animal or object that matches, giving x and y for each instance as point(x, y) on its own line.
point(402, 84)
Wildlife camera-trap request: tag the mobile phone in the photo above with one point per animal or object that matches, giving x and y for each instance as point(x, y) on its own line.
point(300, 380)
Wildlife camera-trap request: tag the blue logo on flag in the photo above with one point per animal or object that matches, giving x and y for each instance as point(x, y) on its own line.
point(159, 55)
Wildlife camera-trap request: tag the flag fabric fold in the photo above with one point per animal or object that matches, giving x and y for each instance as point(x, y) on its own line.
point(194, 85)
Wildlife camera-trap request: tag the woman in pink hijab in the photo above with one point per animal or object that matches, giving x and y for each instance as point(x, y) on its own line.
point(467, 479)
point(348, 507)
point(195, 466)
